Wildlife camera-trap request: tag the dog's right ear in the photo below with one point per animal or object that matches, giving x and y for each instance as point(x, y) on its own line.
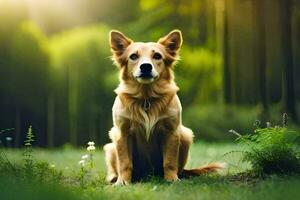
point(172, 42)
point(118, 42)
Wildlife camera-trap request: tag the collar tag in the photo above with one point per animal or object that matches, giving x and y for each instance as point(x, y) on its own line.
point(146, 105)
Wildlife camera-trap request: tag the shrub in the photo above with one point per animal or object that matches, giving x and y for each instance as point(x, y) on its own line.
point(273, 150)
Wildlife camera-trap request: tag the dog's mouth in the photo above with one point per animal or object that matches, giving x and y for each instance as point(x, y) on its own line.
point(145, 78)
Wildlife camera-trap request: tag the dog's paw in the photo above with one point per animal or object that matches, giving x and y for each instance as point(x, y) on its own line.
point(172, 178)
point(112, 178)
point(121, 182)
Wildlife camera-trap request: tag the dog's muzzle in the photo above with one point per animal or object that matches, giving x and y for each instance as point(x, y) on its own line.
point(146, 71)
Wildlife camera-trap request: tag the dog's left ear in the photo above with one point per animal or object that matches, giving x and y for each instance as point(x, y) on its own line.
point(118, 42)
point(172, 42)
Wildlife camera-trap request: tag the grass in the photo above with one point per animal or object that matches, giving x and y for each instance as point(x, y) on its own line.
point(224, 186)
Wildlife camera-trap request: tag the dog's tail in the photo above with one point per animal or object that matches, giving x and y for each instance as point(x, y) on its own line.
point(213, 167)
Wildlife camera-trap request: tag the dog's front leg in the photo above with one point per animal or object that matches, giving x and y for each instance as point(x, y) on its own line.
point(124, 155)
point(170, 156)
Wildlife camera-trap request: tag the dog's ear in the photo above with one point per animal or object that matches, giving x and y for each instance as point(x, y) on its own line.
point(172, 42)
point(118, 42)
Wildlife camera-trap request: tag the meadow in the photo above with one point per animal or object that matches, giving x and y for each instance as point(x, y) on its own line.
point(231, 183)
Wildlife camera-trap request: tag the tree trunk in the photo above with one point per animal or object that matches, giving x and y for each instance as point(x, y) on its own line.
point(73, 104)
point(289, 103)
point(226, 50)
point(50, 121)
point(18, 128)
point(260, 50)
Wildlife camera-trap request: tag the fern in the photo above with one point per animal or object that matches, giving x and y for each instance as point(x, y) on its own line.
point(273, 150)
point(28, 153)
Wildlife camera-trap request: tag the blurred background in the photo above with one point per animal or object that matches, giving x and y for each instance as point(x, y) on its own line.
point(240, 62)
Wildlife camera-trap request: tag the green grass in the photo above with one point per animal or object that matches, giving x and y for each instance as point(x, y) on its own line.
point(224, 186)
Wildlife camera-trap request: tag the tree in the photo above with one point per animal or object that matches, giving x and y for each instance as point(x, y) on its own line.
point(289, 103)
point(260, 50)
point(226, 71)
point(30, 65)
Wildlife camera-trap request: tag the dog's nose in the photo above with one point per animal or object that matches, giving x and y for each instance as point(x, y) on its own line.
point(146, 68)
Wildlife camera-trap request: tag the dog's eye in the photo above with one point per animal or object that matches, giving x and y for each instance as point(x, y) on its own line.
point(133, 56)
point(157, 56)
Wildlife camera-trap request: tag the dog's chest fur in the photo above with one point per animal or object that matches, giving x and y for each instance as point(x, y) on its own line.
point(145, 121)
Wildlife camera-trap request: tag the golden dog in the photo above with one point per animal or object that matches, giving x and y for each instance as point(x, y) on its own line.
point(148, 137)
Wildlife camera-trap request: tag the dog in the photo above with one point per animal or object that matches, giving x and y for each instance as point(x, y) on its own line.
point(148, 137)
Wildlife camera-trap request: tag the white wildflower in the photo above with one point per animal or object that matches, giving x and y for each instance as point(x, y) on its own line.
point(91, 148)
point(81, 163)
point(84, 157)
point(91, 143)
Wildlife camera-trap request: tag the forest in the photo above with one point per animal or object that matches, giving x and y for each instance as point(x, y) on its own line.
point(240, 62)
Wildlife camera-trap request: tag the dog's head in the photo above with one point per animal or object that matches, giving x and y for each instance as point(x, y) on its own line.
point(145, 62)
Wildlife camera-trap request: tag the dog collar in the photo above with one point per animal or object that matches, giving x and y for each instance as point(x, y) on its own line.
point(146, 105)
